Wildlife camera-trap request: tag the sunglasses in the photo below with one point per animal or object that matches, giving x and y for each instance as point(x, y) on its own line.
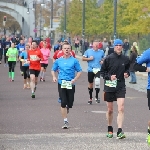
point(118, 45)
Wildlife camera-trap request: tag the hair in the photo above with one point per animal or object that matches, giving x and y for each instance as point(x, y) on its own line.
point(34, 42)
point(109, 43)
point(134, 49)
point(134, 43)
point(66, 43)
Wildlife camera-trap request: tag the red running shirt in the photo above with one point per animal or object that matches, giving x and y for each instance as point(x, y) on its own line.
point(32, 57)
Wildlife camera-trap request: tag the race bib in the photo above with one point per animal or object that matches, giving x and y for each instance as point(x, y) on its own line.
point(21, 49)
point(66, 84)
point(95, 70)
point(12, 55)
point(25, 62)
point(33, 57)
point(111, 83)
point(7, 46)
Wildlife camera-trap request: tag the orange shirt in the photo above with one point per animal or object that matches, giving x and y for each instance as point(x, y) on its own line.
point(32, 57)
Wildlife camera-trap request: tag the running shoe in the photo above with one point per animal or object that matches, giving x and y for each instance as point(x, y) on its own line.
point(12, 80)
point(66, 125)
point(0, 62)
point(43, 80)
point(97, 100)
point(121, 136)
point(90, 102)
point(59, 100)
point(40, 79)
point(33, 95)
point(110, 135)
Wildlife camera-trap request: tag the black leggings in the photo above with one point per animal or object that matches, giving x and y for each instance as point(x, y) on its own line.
point(5, 57)
point(25, 70)
point(12, 65)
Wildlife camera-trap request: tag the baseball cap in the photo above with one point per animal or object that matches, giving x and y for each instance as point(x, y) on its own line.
point(118, 42)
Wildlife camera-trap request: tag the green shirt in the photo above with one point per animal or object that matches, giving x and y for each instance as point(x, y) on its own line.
point(12, 54)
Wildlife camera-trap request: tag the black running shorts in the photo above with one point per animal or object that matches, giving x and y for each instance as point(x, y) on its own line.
point(44, 65)
point(66, 96)
point(35, 72)
point(112, 96)
point(91, 76)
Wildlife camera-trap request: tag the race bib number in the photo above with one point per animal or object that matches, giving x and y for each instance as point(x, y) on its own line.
point(33, 57)
point(111, 83)
point(7, 46)
point(66, 84)
point(21, 49)
point(95, 70)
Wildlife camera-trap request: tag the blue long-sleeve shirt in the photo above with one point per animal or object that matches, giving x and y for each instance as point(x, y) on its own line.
point(67, 68)
point(145, 58)
point(20, 48)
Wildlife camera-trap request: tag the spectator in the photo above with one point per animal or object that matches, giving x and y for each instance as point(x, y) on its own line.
point(126, 47)
point(133, 57)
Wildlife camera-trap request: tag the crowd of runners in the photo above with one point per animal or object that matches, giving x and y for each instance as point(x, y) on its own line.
point(113, 68)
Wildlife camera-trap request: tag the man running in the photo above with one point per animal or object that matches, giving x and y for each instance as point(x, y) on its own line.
point(94, 57)
point(114, 70)
point(34, 57)
point(46, 54)
point(67, 66)
point(12, 55)
point(58, 54)
point(144, 58)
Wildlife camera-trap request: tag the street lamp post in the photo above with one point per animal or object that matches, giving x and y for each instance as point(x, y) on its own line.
point(65, 5)
point(115, 19)
point(42, 4)
point(83, 26)
point(51, 35)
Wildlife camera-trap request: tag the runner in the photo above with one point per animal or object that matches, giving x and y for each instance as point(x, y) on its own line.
point(46, 54)
point(58, 54)
point(6, 46)
point(20, 47)
point(12, 55)
point(144, 58)
point(67, 66)
point(42, 43)
point(114, 70)
point(25, 67)
point(94, 57)
point(34, 57)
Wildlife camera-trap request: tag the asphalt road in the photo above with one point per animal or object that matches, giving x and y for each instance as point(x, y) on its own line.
point(35, 124)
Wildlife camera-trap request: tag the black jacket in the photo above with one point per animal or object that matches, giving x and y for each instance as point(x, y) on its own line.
point(115, 64)
point(126, 46)
point(133, 57)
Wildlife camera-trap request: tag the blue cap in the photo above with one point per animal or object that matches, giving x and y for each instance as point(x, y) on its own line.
point(118, 42)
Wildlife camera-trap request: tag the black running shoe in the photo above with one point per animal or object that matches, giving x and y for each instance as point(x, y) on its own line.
point(97, 100)
point(90, 102)
point(66, 125)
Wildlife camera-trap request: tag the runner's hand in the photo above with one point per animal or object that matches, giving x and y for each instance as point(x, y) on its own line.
point(72, 81)
point(54, 79)
point(91, 58)
point(113, 77)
